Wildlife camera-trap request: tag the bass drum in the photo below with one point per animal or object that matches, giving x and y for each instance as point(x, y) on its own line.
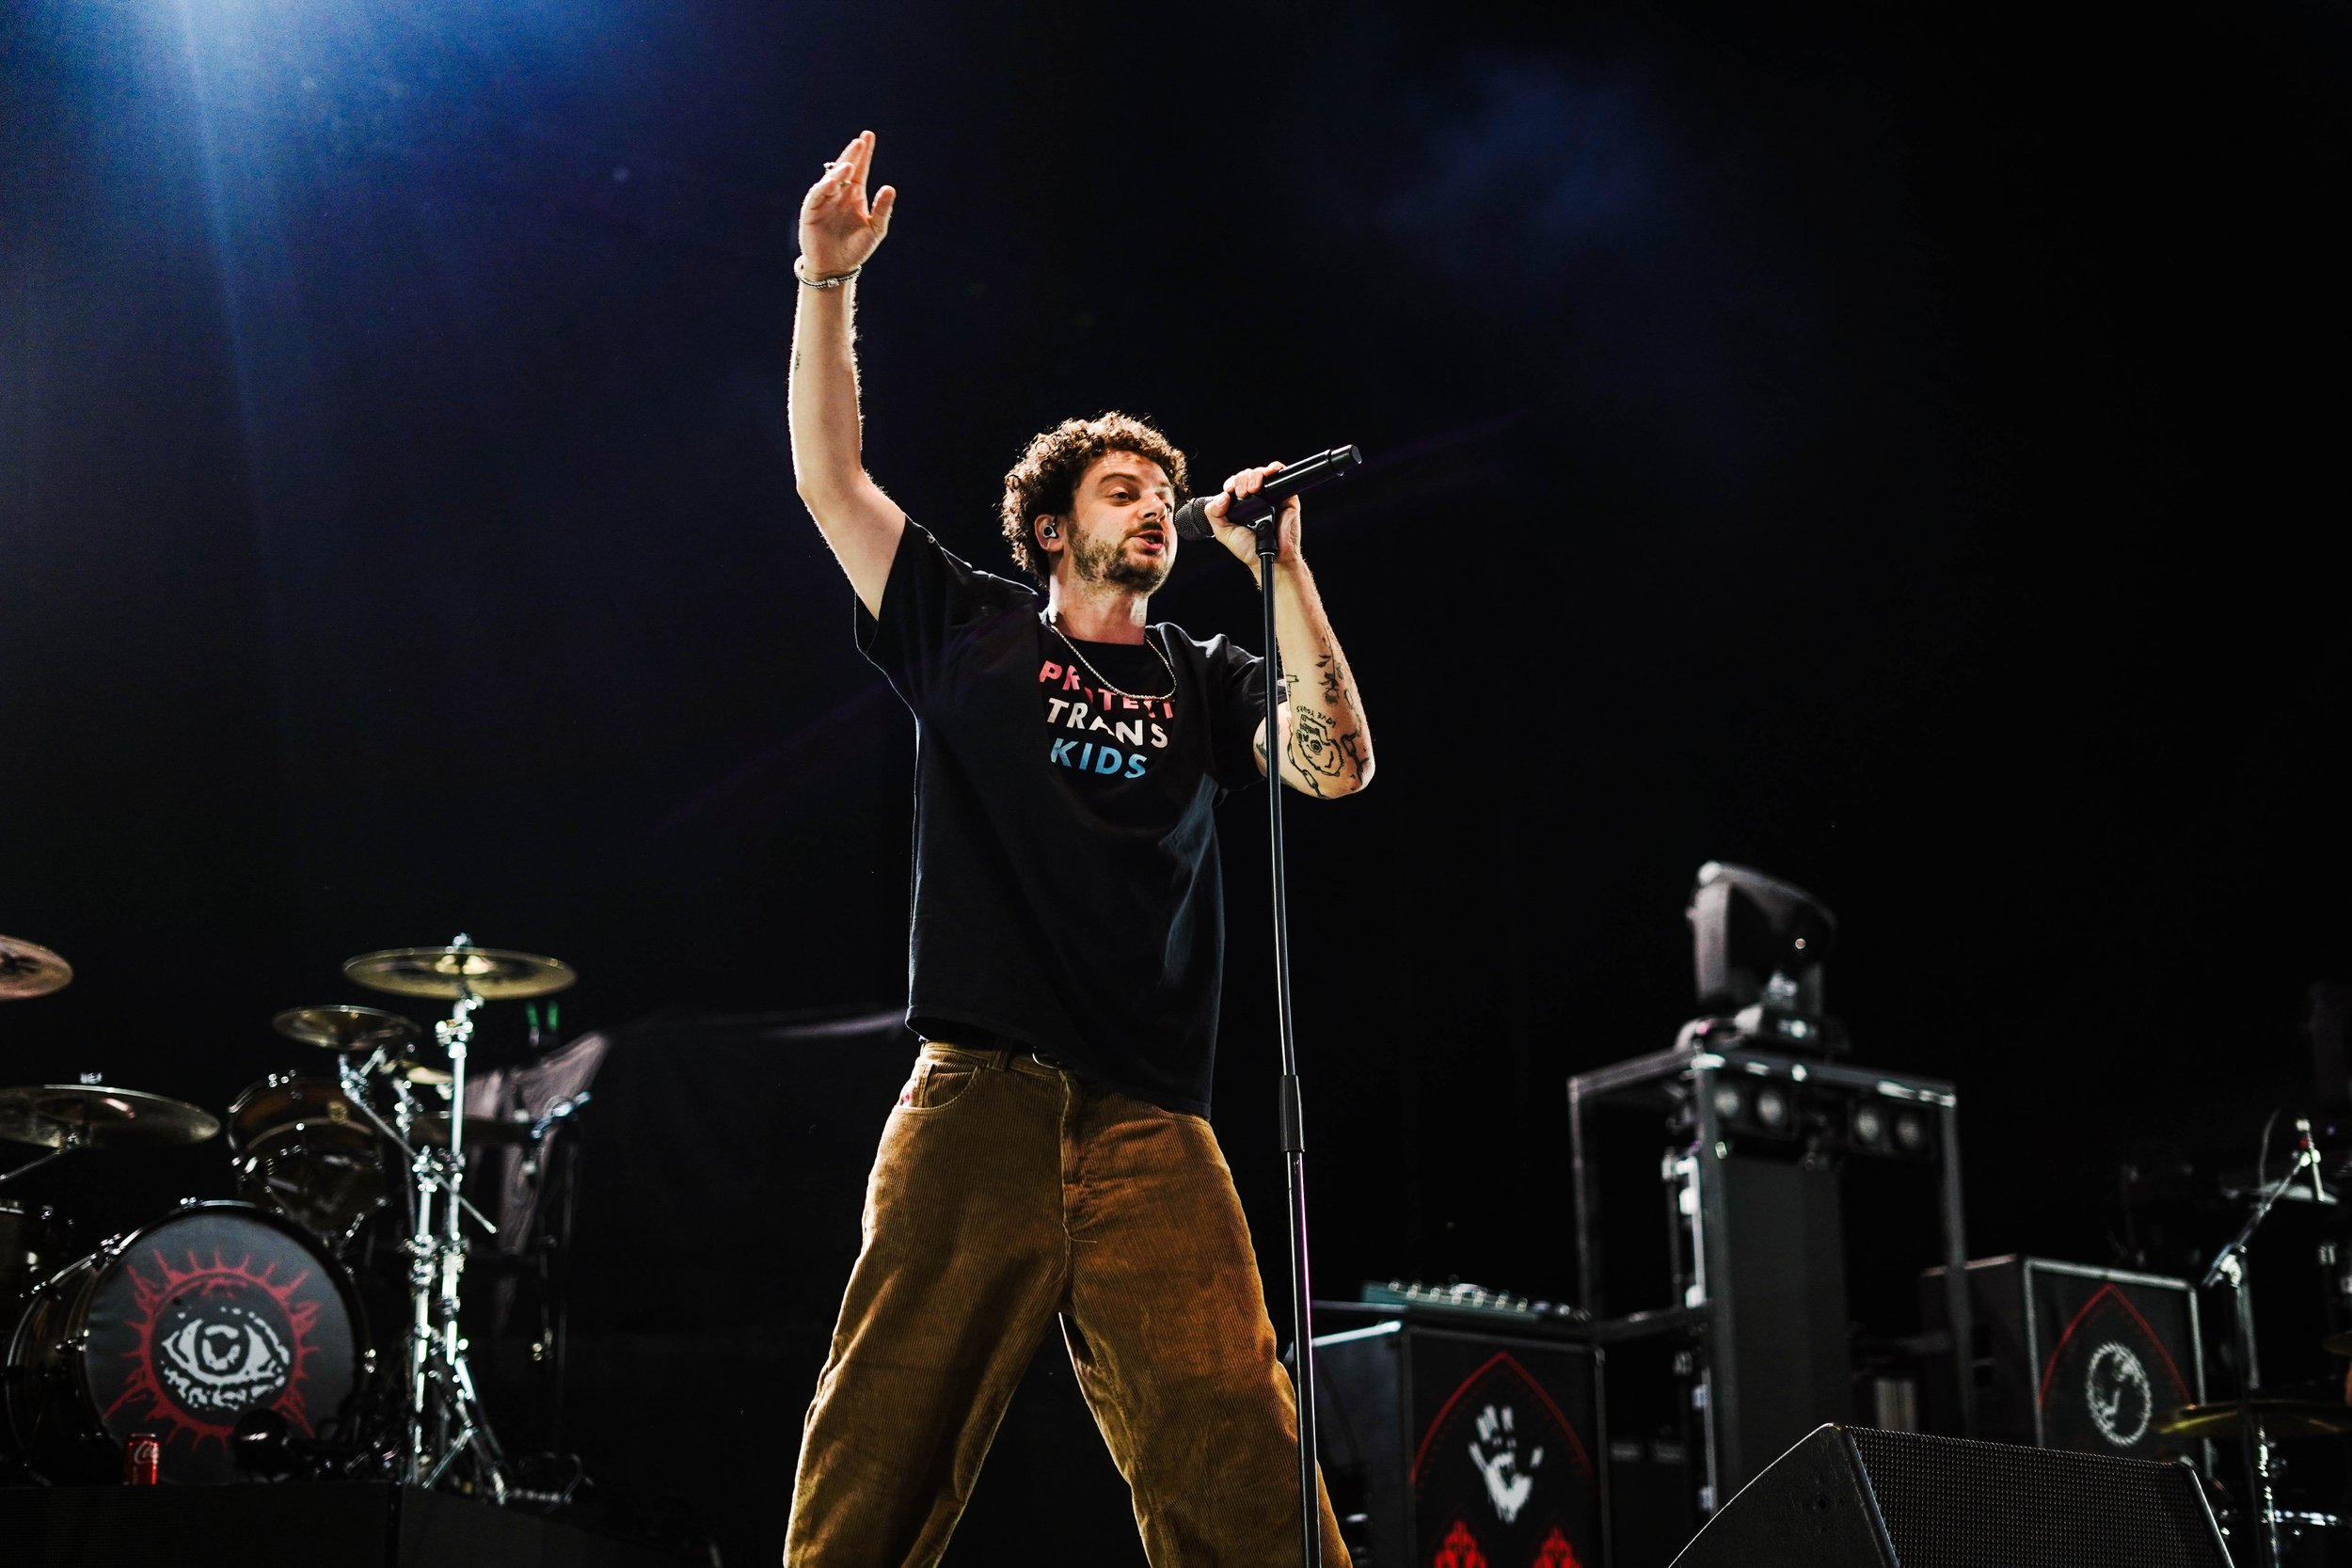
point(178, 1330)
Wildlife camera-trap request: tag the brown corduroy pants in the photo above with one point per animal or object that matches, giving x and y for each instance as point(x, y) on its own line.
point(1006, 1192)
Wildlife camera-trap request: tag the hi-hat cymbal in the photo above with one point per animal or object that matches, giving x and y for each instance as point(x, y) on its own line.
point(94, 1116)
point(449, 973)
point(29, 969)
point(344, 1027)
point(2277, 1418)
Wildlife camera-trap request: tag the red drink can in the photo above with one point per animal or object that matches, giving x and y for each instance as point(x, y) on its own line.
point(142, 1459)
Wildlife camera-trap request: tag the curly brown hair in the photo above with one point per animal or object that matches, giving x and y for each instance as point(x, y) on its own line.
point(1045, 480)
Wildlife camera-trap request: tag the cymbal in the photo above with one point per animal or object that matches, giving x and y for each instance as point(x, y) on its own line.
point(480, 1130)
point(2277, 1417)
point(344, 1027)
point(449, 973)
point(29, 969)
point(96, 1116)
point(2338, 1344)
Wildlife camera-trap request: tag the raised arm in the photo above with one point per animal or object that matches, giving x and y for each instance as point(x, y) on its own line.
point(839, 230)
point(1326, 741)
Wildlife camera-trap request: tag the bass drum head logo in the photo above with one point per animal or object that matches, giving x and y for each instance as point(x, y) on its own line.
point(222, 1350)
point(212, 1313)
point(2119, 1395)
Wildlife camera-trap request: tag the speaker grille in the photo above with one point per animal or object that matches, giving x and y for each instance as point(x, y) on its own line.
point(1952, 1504)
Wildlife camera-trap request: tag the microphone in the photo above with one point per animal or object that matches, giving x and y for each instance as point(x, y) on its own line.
point(1192, 518)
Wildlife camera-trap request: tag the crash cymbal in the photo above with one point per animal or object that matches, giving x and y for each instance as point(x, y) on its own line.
point(2277, 1419)
point(344, 1027)
point(96, 1116)
point(29, 969)
point(480, 1130)
point(449, 973)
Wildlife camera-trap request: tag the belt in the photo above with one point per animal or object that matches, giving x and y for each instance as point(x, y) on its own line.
point(1035, 1064)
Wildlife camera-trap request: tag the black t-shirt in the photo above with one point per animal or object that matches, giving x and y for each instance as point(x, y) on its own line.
point(1066, 895)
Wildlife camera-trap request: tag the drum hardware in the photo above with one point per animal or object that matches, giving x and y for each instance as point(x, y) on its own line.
point(32, 1248)
point(529, 1134)
point(344, 1027)
point(182, 1328)
point(97, 1115)
point(301, 1147)
point(29, 969)
point(459, 972)
point(2226, 1419)
point(2253, 1428)
point(444, 1416)
point(66, 1119)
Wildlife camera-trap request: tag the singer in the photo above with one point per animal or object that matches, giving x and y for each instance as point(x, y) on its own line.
point(1051, 1155)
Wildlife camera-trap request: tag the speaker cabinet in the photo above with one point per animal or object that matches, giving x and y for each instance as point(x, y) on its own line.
point(1851, 1497)
point(1459, 1446)
point(2075, 1357)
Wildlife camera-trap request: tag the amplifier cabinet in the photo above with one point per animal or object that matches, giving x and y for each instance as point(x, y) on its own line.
point(1460, 1446)
point(2069, 1356)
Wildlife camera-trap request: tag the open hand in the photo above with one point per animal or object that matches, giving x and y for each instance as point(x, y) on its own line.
point(1242, 541)
point(1495, 1450)
point(839, 227)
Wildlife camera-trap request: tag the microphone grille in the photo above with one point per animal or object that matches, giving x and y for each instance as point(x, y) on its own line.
point(1192, 519)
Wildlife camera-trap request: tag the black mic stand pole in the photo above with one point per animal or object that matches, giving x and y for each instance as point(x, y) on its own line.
point(1269, 535)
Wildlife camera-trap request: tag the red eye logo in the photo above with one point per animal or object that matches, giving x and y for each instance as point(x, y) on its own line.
point(213, 1340)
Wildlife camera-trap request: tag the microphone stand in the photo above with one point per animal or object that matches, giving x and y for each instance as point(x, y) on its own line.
point(2229, 1265)
point(1268, 531)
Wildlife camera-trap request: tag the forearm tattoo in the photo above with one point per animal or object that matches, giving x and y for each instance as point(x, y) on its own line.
point(1321, 745)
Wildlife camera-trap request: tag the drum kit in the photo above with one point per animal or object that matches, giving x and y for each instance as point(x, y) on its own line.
point(237, 1333)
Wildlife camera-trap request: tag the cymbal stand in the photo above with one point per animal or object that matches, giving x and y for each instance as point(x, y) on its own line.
point(2229, 1265)
point(443, 1417)
point(72, 1144)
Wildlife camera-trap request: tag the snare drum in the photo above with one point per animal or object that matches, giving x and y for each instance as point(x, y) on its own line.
point(302, 1149)
point(178, 1329)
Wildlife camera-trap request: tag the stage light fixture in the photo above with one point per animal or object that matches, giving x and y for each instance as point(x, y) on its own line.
point(1869, 1127)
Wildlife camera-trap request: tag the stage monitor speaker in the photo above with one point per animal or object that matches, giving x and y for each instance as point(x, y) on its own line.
point(1851, 1497)
point(2068, 1356)
point(1459, 1446)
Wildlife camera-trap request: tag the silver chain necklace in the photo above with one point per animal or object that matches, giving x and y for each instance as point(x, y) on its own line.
point(1131, 696)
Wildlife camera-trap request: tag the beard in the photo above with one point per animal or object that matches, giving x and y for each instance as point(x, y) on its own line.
point(1109, 562)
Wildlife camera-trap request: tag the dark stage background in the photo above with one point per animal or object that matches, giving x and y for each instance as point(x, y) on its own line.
point(1902, 451)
